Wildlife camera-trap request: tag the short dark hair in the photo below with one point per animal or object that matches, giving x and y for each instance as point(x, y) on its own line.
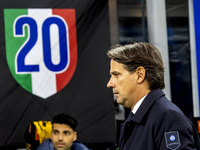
point(141, 54)
point(65, 119)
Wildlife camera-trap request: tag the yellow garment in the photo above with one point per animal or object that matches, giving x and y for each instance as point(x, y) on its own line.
point(44, 129)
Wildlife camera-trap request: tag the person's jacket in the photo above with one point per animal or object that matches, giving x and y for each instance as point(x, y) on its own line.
point(47, 145)
point(158, 125)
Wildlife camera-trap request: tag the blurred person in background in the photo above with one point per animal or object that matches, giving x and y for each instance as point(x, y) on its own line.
point(63, 135)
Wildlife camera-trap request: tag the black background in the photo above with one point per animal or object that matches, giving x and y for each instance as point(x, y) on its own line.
point(85, 97)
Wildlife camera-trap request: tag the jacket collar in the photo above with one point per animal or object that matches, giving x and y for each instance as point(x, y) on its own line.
point(146, 104)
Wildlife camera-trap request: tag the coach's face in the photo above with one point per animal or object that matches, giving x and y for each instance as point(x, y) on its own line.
point(123, 83)
point(62, 136)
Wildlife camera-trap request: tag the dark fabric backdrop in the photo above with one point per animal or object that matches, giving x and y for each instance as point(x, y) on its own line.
point(85, 97)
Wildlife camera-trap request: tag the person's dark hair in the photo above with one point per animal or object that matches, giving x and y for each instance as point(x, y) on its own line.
point(141, 54)
point(65, 119)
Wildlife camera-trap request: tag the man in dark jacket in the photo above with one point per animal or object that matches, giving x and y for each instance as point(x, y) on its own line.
point(155, 123)
point(63, 135)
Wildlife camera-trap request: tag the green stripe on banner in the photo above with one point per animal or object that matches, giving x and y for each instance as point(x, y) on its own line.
point(13, 44)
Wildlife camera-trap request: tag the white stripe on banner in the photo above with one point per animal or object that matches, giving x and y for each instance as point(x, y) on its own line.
point(193, 61)
point(44, 81)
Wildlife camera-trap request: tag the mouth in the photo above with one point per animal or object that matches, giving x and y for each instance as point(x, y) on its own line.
point(60, 144)
point(115, 93)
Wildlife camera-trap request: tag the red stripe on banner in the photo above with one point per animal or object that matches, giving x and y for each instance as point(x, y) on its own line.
point(69, 16)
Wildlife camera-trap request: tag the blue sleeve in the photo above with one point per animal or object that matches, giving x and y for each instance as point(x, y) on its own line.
point(177, 132)
point(78, 146)
point(46, 145)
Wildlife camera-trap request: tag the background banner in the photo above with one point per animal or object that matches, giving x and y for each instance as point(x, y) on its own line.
point(194, 19)
point(53, 60)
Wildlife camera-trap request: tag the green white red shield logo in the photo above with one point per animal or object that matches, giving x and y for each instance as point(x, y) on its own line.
point(41, 48)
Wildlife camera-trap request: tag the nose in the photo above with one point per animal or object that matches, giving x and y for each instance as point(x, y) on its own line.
point(110, 83)
point(60, 137)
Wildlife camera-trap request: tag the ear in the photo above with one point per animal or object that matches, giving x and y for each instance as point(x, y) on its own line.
point(75, 136)
point(141, 73)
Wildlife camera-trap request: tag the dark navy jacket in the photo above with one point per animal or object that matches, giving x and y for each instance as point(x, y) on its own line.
point(158, 125)
point(47, 145)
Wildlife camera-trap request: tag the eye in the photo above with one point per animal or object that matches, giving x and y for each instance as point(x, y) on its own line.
point(67, 133)
point(55, 132)
point(116, 74)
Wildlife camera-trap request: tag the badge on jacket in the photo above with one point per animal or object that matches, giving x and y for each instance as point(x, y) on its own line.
point(172, 140)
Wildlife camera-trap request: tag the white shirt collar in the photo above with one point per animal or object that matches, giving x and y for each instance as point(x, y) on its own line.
point(137, 105)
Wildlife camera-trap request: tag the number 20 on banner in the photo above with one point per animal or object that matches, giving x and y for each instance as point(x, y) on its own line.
point(42, 44)
point(29, 44)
